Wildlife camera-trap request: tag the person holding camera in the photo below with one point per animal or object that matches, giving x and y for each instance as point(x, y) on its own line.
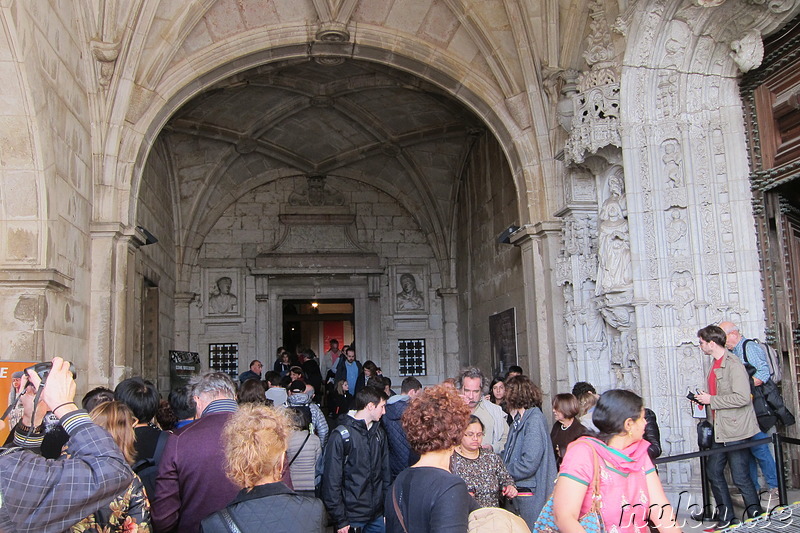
point(59, 493)
point(734, 422)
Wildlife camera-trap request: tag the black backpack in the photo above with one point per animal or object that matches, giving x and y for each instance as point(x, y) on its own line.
point(348, 446)
point(147, 469)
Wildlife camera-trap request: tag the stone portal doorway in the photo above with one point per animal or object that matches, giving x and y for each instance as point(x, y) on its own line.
point(343, 299)
point(314, 322)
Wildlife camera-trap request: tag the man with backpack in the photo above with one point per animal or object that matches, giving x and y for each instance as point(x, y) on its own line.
point(754, 357)
point(356, 471)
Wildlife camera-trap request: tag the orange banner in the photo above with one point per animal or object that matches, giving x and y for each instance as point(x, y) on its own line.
point(7, 369)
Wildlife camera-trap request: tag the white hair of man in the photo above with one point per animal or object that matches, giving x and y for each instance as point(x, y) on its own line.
point(472, 372)
point(213, 386)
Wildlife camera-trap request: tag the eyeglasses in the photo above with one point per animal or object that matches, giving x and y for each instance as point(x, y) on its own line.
point(473, 435)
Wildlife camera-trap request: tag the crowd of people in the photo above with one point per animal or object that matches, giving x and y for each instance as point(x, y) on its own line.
point(302, 450)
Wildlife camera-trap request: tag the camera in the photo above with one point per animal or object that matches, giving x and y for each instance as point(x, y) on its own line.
point(43, 370)
point(693, 397)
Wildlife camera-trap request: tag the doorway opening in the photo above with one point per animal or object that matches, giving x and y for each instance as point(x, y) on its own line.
point(312, 323)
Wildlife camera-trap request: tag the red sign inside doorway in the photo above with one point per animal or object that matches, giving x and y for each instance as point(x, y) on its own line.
point(332, 330)
point(7, 369)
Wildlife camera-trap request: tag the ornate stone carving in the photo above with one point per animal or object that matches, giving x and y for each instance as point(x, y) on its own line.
point(332, 32)
point(748, 51)
point(106, 54)
point(677, 233)
point(775, 6)
point(614, 249)
point(708, 3)
point(671, 157)
point(316, 194)
point(683, 297)
point(595, 121)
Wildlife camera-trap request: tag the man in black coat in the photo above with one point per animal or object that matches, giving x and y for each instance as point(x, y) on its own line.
point(356, 473)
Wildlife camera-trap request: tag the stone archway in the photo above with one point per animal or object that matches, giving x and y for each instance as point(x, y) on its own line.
point(401, 137)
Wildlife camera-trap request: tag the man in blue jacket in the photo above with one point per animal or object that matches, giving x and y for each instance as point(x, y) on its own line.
point(400, 454)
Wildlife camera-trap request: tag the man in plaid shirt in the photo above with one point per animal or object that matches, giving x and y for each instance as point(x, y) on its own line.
point(40, 495)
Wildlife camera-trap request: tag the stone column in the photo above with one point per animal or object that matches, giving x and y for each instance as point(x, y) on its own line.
point(182, 320)
point(110, 339)
point(539, 244)
point(450, 328)
point(265, 345)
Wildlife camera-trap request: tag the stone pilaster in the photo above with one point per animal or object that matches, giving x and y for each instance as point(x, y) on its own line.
point(539, 244)
point(113, 269)
point(450, 327)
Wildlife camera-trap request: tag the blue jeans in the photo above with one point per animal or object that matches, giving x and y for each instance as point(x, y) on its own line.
point(763, 455)
point(377, 525)
point(740, 472)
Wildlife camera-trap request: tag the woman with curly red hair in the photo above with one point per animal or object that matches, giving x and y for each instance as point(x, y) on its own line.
point(427, 497)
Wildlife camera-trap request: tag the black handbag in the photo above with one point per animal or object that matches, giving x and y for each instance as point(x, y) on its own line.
point(705, 435)
point(774, 400)
point(765, 415)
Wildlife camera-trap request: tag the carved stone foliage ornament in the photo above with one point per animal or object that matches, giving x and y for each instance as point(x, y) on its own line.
point(595, 119)
point(748, 51)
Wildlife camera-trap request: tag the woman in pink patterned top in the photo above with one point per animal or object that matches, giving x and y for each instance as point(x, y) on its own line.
point(630, 489)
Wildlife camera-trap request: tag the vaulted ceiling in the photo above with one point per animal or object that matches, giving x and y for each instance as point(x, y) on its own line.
point(350, 118)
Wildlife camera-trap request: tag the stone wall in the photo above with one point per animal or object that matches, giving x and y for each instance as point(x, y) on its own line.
point(156, 265)
point(45, 185)
point(489, 275)
point(328, 248)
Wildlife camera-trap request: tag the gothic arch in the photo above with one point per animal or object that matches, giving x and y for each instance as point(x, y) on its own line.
point(227, 58)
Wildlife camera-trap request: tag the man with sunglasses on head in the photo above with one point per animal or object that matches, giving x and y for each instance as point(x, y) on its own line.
point(40, 495)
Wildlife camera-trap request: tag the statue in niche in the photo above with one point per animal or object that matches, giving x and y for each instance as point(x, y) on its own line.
point(677, 233)
point(683, 296)
point(221, 301)
point(409, 298)
point(595, 327)
point(672, 163)
point(316, 194)
point(569, 316)
point(614, 272)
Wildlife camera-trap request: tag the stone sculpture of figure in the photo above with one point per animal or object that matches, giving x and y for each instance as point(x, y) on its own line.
point(569, 314)
point(677, 231)
point(222, 301)
point(672, 163)
point(592, 320)
point(683, 296)
point(409, 298)
point(614, 270)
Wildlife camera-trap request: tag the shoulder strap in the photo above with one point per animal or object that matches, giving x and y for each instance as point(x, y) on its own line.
point(744, 350)
point(345, 433)
point(229, 521)
point(397, 509)
point(160, 445)
point(298, 450)
point(12, 448)
point(595, 481)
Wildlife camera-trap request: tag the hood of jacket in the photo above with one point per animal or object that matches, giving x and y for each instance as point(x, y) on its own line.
point(299, 398)
point(395, 409)
point(277, 395)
